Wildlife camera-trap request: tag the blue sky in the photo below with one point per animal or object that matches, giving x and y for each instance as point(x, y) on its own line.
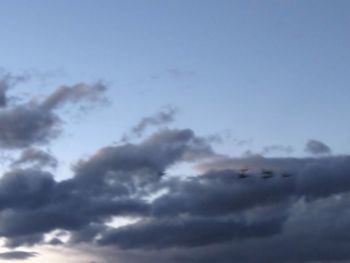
point(276, 72)
point(269, 73)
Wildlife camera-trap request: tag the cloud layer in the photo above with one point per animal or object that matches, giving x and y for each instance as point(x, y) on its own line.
point(246, 209)
point(212, 214)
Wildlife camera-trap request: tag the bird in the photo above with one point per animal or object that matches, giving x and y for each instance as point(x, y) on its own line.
point(286, 175)
point(266, 174)
point(242, 173)
point(161, 173)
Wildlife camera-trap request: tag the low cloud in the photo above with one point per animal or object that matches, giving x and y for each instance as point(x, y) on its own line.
point(36, 157)
point(187, 232)
point(316, 147)
point(17, 255)
point(110, 183)
point(298, 213)
point(212, 215)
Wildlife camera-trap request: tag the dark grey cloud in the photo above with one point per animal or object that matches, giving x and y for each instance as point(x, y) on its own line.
point(219, 193)
point(36, 157)
point(17, 255)
point(316, 147)
point(27, 124)
point(310, 176)
point(35, 122)
point(213, 216)
point(314, 232)
point(187, 232)
point(109, 183)
point(29, 188)
point(28, 240)
point(136, 165)
point(56, 242)
point(211, 210)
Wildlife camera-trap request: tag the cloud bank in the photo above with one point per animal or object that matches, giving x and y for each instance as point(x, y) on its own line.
point(299, 213)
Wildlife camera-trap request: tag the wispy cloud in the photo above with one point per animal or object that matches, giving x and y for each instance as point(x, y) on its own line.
point(160, 119)
point(36, 122)
point(17, 255)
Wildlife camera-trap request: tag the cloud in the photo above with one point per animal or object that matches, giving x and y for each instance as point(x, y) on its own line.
point(17, 255)
point(110, 183)
point(27, 124)
point(25, 188)
point(186, 233)
point(211, 216)
point(314, 232)
point(277, 148)
point(80, 92)
point(310, 176)
point(8, 81)
point(36, 122)
point(35, 156)
point(315, 147)
point(161, 118)
point(132, 168)
point(202, 217)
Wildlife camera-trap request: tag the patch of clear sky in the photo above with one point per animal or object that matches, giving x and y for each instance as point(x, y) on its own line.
point(274, 71)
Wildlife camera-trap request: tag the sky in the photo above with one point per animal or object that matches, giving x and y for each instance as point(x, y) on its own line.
point(125, 126)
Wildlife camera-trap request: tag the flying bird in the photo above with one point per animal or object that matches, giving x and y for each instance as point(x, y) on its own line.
point(286, 175)
point(161, 173)
point(266, 173)
point(242, 173)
